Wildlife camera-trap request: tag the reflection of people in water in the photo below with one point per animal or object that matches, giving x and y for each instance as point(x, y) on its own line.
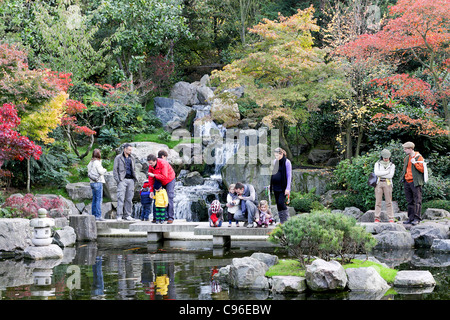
point(162, 281)
point(148, 277)
point(215, 286)
point(97, 284)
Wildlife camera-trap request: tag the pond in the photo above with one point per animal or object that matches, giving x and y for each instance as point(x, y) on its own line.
point(132, 269)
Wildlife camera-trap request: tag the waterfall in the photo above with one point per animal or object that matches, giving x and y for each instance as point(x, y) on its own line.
point(192, 202)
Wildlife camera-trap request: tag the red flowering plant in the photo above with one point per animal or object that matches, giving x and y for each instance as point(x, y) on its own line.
point(14, 146)
point(27, 206)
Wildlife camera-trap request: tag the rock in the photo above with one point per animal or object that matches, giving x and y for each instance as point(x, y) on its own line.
point(109, 188)
point(225, 112)
point(142, 149)
point(328, 197)
point(376, 228)
point(268, 259)
point(317, 156)
point(248, 273)
point(408, 278)
point(435, 214)
point(223, 274)
point(15, 273)
point(441, 245)
point(323, 276)
point(288, 284)
point(365, 279)
point(424, 233)
point(168, 110)
point(192, 179)
point(84, 226)
point(79, 191)
point(305, 180)
point(205, 81)
point(51, 251)
point(204, 95)
point(185, 92)
point(369, 216)
point(353, 212)
point(394, 240)
point(238, 92)
point(66, 236)
point(15, 234)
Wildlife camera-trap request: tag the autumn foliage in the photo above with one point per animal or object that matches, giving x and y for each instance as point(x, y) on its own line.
point(415, 30)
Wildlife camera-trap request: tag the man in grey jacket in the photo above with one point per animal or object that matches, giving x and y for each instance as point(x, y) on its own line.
point(249, 203)
point(125, 177)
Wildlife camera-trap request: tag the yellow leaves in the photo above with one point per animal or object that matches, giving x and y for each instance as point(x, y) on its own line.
point(37, 125)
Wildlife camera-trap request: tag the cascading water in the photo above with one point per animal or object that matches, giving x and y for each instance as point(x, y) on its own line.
point(192, 202)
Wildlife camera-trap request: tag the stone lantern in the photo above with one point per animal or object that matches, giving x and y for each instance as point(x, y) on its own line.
point(42, 229)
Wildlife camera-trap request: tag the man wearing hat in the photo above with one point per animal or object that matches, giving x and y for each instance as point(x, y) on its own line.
point(413, 180)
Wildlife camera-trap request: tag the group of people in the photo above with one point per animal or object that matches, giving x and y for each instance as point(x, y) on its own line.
point(242, 201)
point(412, 178)
point(158, 190)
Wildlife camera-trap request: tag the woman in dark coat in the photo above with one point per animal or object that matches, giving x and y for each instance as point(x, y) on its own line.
point(280, 182)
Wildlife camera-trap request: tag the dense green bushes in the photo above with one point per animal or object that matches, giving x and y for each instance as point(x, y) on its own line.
point(322, 234)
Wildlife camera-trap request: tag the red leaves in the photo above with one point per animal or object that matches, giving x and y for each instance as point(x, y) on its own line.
point(14, 146)
point(72, 108)
point(403, 86)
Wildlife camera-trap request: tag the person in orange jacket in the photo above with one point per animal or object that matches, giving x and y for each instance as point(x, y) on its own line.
point(161, 170)
point(413, 180)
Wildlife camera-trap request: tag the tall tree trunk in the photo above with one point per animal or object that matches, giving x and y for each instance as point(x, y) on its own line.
point(29, 175)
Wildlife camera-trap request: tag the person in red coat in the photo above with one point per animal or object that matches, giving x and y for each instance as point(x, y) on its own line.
point(161, 170)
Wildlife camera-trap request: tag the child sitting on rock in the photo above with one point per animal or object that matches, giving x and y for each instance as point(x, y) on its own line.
point(215, 213)
point(265, 215)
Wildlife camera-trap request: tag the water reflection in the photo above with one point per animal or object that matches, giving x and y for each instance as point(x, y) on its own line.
point(127, 269)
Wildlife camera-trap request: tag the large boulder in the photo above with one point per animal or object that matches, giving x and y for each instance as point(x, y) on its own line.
point(394, 240)
point(365, 279)
point(305, 180)
point(411, 279)
point(435, 214)
point(267, 258)
point(248, 273)
point(324, 276)
point(424, 233)
point(441, 245)
point(171, 110)
point(15, 234)
point(50, 252)
point(185, 92)
point(288, 284)
point(84, 226)
point(79, 191)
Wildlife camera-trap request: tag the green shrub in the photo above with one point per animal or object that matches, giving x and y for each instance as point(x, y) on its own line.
point(305, 202)
point(436, 204)
point(322, 234)
point(344, 201)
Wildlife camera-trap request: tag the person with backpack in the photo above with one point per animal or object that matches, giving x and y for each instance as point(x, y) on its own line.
point(413, 180)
